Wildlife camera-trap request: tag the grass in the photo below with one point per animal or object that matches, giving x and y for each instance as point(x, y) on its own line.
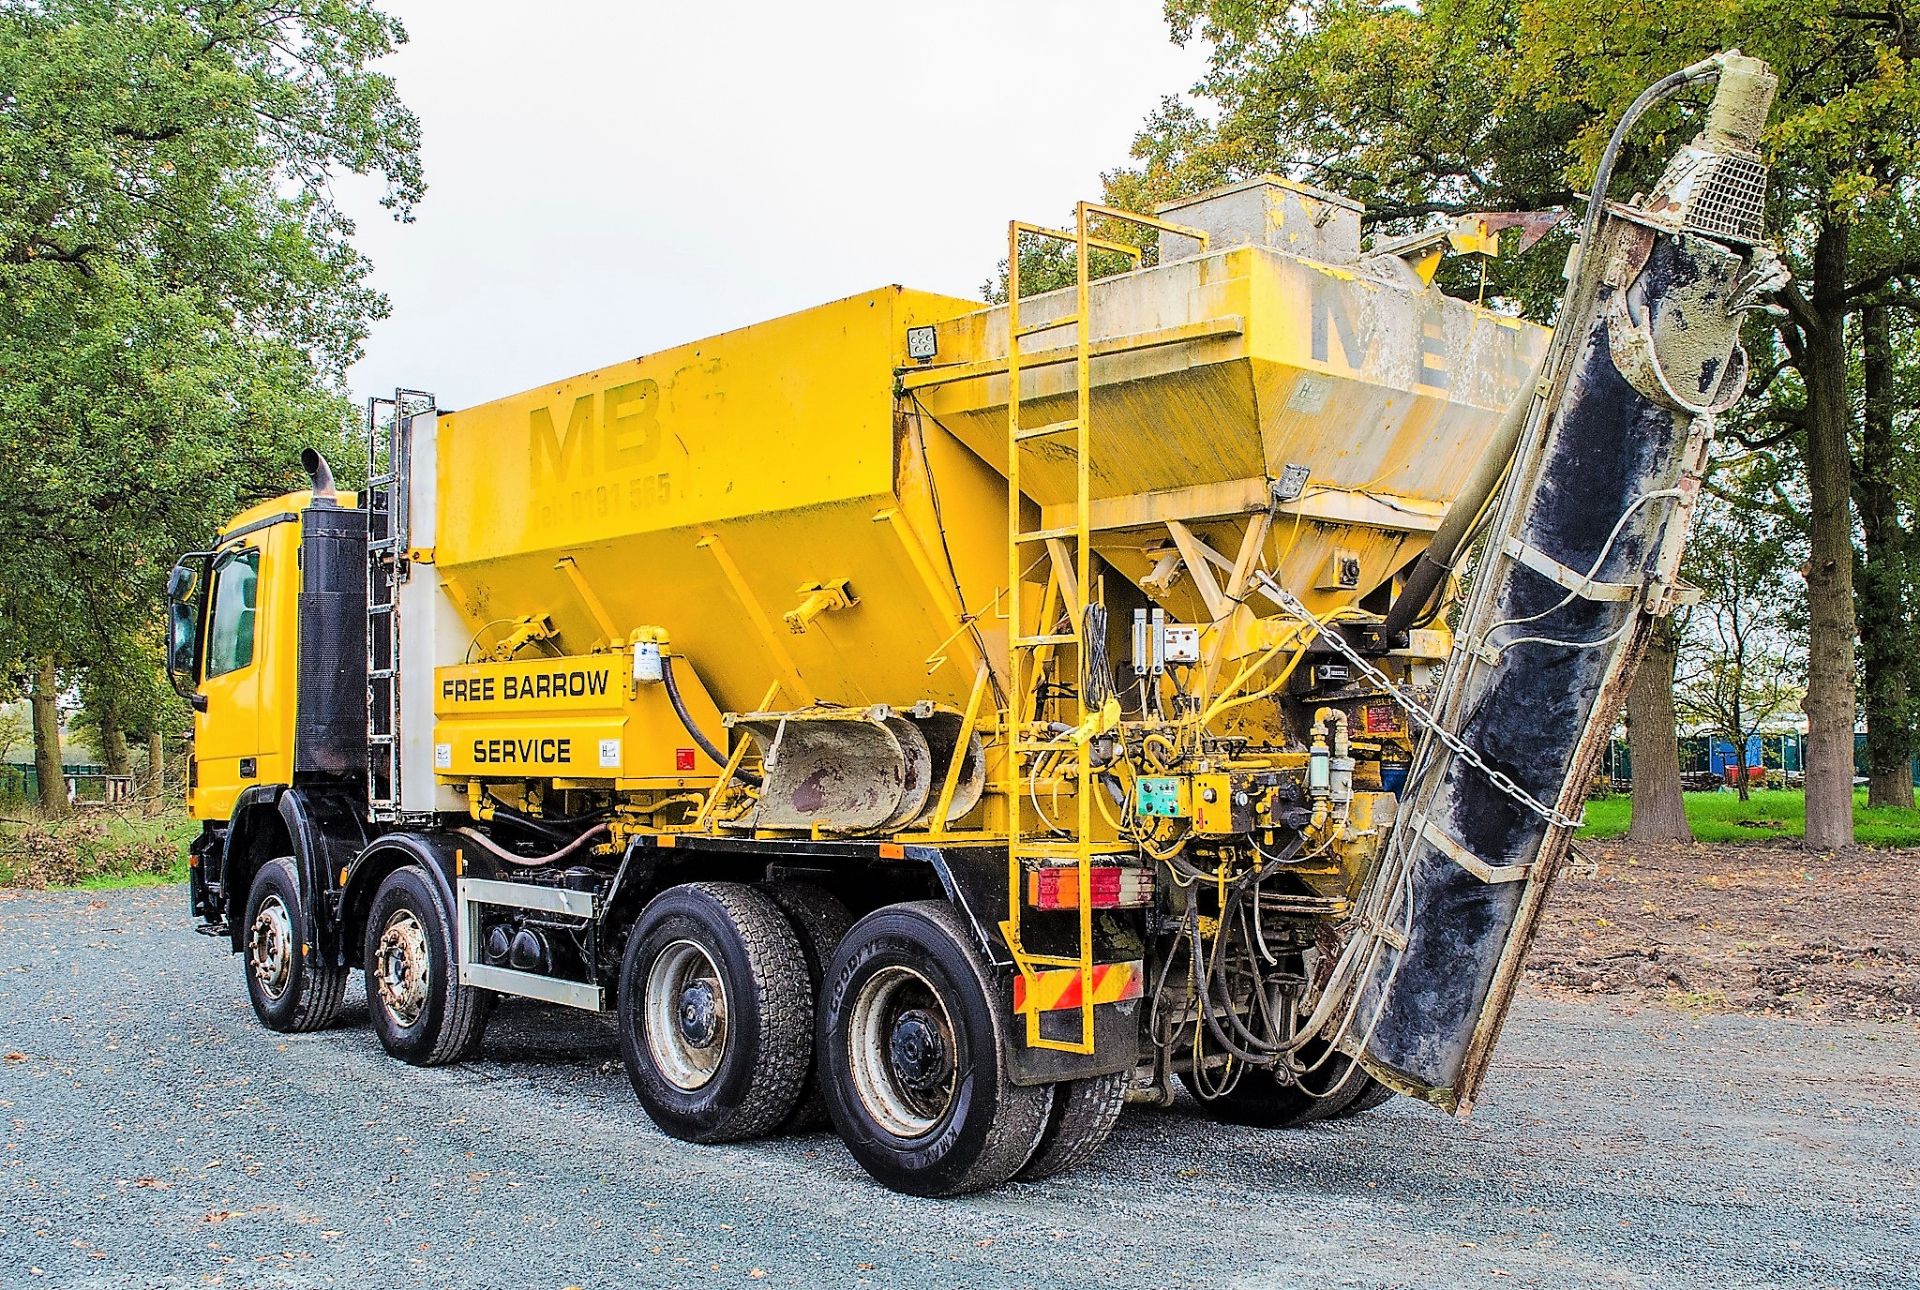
point(1770, 814)
point(95, 848)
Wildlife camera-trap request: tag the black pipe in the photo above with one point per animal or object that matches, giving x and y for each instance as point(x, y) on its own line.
point(707, 745)
point(1429, 572)
point(321, 474)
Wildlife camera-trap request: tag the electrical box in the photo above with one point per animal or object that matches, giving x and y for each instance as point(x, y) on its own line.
point(1180, 644)
point(1218, 808)
point(1161, 797)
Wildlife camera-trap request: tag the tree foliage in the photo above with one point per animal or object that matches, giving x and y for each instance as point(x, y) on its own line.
point(1460, 105)
point(179, 292)
point(1741, 661)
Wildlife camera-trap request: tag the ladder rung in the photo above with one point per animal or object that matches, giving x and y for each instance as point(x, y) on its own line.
point(1034, 328)
point(1056, 961)
point(1055, 638)
point(1047, 535)
point(1097, 852)
point(1042, 431)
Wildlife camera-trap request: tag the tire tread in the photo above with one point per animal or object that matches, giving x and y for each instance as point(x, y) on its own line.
point(1084, 1113)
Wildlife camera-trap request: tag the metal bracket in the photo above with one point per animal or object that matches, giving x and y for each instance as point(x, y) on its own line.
point(1473, 864)
point(1578, 583)
point(819, 598)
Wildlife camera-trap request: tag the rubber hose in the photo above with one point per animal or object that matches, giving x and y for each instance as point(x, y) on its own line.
point(694, 732)
point(533, 862)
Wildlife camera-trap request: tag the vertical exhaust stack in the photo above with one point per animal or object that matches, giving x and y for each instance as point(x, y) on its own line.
point(1581, 558)
point(320, 474)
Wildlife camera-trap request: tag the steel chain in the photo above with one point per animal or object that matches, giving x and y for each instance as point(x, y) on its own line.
point(1458, 746)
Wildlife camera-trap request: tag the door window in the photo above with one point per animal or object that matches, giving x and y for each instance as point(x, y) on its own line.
point(236, 576)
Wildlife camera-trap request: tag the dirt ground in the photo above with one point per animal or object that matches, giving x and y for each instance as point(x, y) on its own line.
point(1755, 927)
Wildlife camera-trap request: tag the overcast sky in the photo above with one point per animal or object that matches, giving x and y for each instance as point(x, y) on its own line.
point(609, 179)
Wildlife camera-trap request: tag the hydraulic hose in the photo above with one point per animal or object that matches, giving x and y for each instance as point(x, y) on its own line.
point(533, 862)
point(694, 732)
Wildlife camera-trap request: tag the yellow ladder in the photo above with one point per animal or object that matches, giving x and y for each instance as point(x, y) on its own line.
point(1068, 549)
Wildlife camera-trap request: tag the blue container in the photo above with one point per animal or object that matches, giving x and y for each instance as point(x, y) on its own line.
point(1393, 778)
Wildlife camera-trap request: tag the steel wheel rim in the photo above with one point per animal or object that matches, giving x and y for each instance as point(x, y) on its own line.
point(402, 967)
point(270, 947)
point(685, 1013)
point(906, 1102)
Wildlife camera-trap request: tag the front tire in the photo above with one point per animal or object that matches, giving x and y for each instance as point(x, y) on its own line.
point(419, 1009)
point(913, 1058)
point(716, 1013)
point(291, 989)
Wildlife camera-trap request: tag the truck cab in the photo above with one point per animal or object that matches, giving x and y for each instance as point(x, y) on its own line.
point(266, 643)
point(236, 616)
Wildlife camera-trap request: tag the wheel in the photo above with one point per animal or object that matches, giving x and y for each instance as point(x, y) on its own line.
point(716, 1015)
point(1375, 1094)
point(913, 1058)
point(421, 1012)
point(1084, 1113)
point(821, 922)
point(291, 989)
point(1258, 1099)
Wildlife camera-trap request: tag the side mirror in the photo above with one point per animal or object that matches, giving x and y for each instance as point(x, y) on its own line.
point(186, 599)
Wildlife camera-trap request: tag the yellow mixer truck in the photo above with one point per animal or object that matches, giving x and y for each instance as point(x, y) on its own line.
point(955, 722)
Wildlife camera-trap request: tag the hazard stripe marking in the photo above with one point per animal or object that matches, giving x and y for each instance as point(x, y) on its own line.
point(1057, 988)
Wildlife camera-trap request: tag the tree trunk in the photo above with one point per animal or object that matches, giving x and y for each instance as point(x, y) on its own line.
point(113, 749)
point(1880, 593)
point(1653, 745)
point(156, 772)
point(47, 765)
point(1829, 703)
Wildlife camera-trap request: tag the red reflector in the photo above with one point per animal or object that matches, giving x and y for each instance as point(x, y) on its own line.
point(1381, 719)
point(683, 759)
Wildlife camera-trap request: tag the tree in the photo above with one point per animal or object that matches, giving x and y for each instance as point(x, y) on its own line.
point(1659, 809)
point(1740, 666)
point(179, 294)
point(1884, 486)
point(1460, 105)
point(48, 766)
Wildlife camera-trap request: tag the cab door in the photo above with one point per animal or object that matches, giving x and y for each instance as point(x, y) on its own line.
point(226, 732)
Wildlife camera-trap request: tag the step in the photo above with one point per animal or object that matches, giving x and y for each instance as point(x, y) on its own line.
point(1034, 329)
point(1047, 535)
point(1024, 433)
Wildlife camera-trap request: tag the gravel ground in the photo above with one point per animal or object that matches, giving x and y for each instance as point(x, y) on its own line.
point(156, 1136)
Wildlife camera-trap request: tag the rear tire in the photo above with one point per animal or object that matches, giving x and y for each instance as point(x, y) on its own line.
point(716, 1016)
point(419, 1009)
point(913, 1058)
point(1376, 1094)
point(1260, 1100)
point(1084, 1113)
point(292, 990)
point(821, 922)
